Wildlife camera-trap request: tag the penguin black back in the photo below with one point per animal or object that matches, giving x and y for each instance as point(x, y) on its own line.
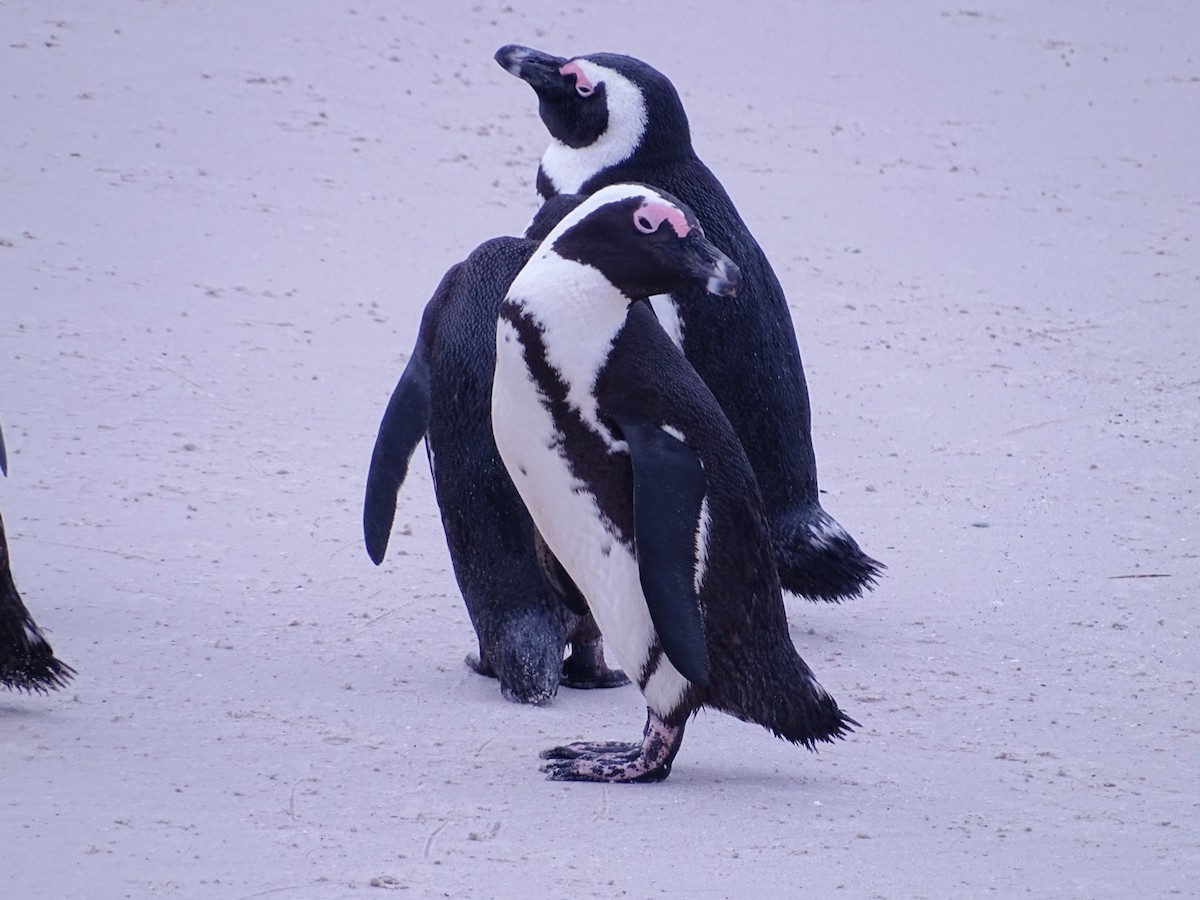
point(443, 396)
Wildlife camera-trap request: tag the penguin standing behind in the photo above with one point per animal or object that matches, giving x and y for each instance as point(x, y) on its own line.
point(444, 396)
point(613, 119)
point(27, 663)
point(639, 485)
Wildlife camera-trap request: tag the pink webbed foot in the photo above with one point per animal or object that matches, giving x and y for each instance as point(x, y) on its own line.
point(617, 761)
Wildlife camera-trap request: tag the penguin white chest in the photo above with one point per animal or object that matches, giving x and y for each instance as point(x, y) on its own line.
point(564, 507)
point(531, 447)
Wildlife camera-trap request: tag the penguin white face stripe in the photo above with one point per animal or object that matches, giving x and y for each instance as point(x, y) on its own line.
point(568, 168)
point(613, 193)
point(575, 346)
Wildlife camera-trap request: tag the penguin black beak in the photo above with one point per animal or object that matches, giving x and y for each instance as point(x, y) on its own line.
point(540, 70)
point(719, 274)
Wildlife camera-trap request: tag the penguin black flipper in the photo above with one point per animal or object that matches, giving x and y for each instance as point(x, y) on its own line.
point(404, 424)
point(668, 493)
point(3, 454)
point(410, 410)
point(563, 585)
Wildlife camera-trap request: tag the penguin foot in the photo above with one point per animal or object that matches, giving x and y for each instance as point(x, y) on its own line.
point(586, 669)
point(617, 761)
point(478, 666)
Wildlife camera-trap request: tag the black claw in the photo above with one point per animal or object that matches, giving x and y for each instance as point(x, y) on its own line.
point(560, 772)
point(593, 749)
point(478, 666)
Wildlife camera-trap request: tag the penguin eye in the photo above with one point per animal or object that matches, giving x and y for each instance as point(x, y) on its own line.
point(583, 84)
point(644, 225)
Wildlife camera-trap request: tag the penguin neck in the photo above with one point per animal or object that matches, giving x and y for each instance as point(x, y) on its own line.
point(579, 314)
point(569, 168)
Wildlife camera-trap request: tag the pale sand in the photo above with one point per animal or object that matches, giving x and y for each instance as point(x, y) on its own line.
point(219, 224)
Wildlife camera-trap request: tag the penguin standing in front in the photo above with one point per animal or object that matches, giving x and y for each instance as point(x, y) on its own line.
point(612, 119)
point(27, 662)
point(639, 486)
point(522, 621)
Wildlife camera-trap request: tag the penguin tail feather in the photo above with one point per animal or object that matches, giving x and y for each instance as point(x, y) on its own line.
point(819, 560)
point(32, 667)
point(807, 714)
point(26, 661)
point(808, 721)
point(825, 724)
point(781, 694)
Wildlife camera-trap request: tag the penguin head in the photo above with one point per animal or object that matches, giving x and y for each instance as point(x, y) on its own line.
point(603, 101)
point(644, 242)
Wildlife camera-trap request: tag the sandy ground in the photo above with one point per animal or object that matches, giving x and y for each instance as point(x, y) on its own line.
point(218, 225)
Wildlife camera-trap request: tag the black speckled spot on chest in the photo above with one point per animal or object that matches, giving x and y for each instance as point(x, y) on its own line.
point(602, 472)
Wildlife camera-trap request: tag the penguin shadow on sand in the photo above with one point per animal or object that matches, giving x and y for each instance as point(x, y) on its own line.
point(637, 481)
point(612, 119)
point(524, 621)
point(27, 662)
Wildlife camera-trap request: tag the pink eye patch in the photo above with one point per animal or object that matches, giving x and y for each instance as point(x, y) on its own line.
point(654, 212)
point(583, 84)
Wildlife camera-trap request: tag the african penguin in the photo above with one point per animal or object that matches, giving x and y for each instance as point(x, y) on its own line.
point(639, 486)
point(613, 118)
point(27, 662)
point(444, 396)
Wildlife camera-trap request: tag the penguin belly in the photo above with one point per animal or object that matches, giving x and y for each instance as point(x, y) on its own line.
point(565, 511)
